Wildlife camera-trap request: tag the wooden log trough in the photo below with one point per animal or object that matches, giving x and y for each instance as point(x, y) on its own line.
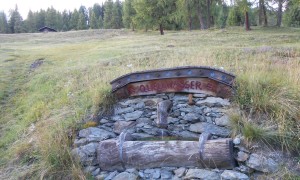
point(124, 153)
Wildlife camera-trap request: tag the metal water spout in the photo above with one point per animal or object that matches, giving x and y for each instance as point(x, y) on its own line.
point(163, 110)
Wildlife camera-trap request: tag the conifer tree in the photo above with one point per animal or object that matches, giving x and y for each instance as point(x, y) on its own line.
point(3, 23)
point(128, 14)
point(74, 19)
point(108, 12)
point(15, 21)
point(93, 21)
point(117, 15)
point(81, 22)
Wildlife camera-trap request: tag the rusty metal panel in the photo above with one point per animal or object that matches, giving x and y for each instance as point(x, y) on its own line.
point(190, 79)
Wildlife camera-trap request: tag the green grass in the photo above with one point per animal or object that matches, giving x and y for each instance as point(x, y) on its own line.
point(73, 83)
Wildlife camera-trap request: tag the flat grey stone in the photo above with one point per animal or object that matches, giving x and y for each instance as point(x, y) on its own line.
point(153, 116)
point(179, 172)
point(181, 98)
point(261, 163)
point(130, 101)
point(200, 95)
point(111, 175)
point(80, 142)
point(155, 174)
point(96, 172)
point(165, 174)
point(89, 169)
point(144, 120)
point(236, 141)
point(244, 169)
point(133, 116)
point(141, 135)
point(172, 120)
point(148, 171)
point(201, 174)
point(120, 126)
point(132, 170)
point(86, 154)
point(210, 128)
point(95, 134)
point(181, 105)
point(223, 121)
point(119, 110)
point(187, 109)
point(117, 118)
point(176, 178)
point(139, 105)
point(191, 117)
point(187, 135)
point(141, 174)
point(242, 156)
point(233, 175)
point(101, 176)
point(125, 176)
point(104, 121)
point(152, 102)
point(214, 102)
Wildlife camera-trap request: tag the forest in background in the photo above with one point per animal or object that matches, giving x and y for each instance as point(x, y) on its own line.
point(158, 14)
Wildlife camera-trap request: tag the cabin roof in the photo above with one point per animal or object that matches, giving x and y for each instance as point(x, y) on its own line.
point(47, 28)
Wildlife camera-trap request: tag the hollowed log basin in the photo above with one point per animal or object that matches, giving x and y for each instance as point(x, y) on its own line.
point(124, 153)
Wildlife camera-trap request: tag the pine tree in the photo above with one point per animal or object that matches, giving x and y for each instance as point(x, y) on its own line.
point(128, 14)
point(154, 13)
point(15, 21)
point(74, 20)
point(292, 15)
point(81, 22)
point(100, 22)
point(117, 15)
point(40, 19)
point(97, 9)
point(51, 18)
point(93, 21)
point(3, 23)
point(82, 10)
point(66, 18)
point(108, 12)
point(30, 22)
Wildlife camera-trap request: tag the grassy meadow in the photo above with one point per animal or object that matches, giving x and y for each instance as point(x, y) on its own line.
point(43, 106)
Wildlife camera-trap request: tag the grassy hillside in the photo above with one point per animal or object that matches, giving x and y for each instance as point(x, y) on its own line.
point(50, 83)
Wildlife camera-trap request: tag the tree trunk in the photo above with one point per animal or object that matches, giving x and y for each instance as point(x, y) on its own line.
point(262, 19)
point(200, 17)
point(161, 29)
point(190, 23)
point(265, 16)
point(247, 23)
point(208, 13)
point(279, 13)
point(121, 154)
point(260, 15)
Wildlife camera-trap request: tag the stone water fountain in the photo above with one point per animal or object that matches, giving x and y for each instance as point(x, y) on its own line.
point(126, 152)
point(165, 120)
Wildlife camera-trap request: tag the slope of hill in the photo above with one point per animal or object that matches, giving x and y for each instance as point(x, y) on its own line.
point(50, 83)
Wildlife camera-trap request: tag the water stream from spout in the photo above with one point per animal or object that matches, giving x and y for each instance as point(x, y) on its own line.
point(162, 134)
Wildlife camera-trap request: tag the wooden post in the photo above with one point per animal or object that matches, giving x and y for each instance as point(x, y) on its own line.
point(191, 102)
point(116, 155)
point(163, 109)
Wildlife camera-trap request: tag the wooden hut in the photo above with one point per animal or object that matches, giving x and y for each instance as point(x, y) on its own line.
point(46, 29)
